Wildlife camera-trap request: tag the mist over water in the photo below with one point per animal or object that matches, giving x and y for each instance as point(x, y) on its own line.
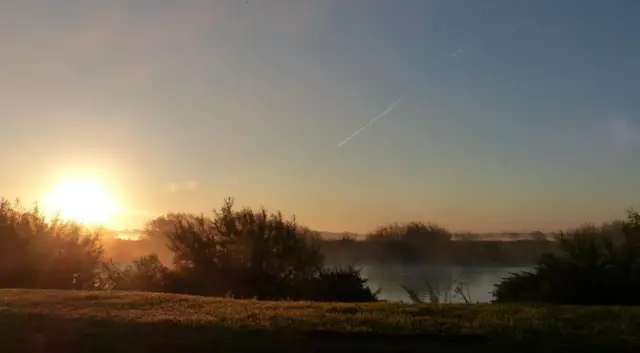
point(477, 281)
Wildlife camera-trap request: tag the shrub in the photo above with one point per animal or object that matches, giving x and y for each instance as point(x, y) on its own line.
point(36, 253)
point(340, 284)
point(411, 231)
point(456, 290)
point(145, 274)
point(595, 266)
point(243, 253)
point(109, 276)
point(465, 236)
point(410, 242)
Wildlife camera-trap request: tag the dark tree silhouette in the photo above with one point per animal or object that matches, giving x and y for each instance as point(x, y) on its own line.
point(411, 231)
point(246, 253)
point(36, 253)
point(590, 269)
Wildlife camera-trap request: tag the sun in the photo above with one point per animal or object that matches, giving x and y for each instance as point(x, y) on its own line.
point(85, 201)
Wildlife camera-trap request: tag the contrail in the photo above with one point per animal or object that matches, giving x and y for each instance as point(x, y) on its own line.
point(385, 112)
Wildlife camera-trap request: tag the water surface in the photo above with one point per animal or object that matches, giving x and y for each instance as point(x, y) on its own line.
point(477, 281)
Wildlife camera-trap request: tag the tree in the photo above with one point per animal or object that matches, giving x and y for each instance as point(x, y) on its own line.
point(412, 232)
point(591, 268)
point(467, 236)
point(36, 253)
point(538, 236)
point(146, 273)
point(245, 253)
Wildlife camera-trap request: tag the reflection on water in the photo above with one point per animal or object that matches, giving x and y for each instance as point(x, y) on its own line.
point(477, 281)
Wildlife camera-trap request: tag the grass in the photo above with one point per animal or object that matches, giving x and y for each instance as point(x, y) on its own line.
point(122, 322)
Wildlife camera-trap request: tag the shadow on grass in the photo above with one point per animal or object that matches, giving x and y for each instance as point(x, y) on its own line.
point(39, 333)
point(35, 333)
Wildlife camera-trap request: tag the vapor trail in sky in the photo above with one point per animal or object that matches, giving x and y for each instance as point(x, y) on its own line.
point(385, 112)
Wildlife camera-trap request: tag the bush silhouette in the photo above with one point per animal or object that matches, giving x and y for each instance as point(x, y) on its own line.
point(596, 265)
point(340, 284)
point(411, 231)
point(408, 242)
point(36, 253)
point(144, 274)
point(245, 254)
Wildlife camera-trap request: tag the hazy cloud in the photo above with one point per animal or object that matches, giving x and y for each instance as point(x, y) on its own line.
point(624, 131)
point(456, 53)
point(137, 212)
point(188, 185)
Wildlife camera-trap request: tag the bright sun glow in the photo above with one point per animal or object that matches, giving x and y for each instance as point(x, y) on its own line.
point(82, 200)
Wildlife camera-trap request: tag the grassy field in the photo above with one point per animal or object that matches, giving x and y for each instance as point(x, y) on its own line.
point(65, 321)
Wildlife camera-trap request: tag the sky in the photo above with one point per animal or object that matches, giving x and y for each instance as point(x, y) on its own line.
point(477, 115)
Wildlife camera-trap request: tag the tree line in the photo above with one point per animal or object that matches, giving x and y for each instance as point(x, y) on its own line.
point(246, 253)
point(237, 253)
point(595, 265)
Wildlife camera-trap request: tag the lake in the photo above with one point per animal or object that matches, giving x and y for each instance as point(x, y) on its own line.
point(477, 281)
